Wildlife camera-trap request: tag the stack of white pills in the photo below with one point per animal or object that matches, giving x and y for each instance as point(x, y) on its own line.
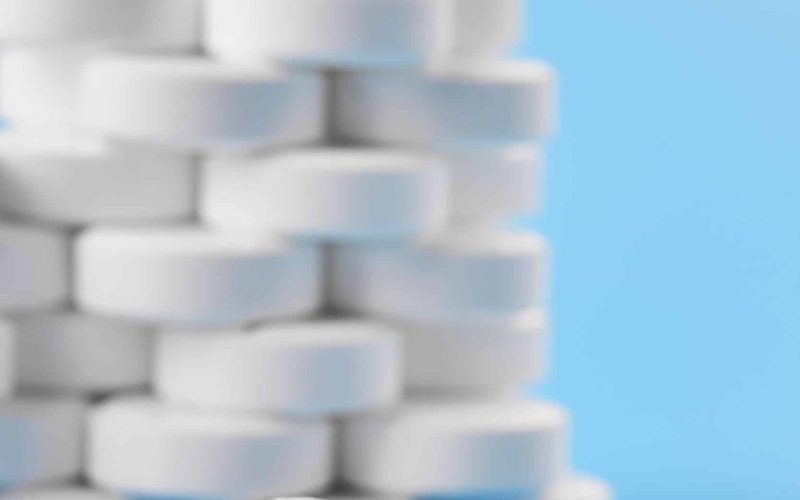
point(254, 249)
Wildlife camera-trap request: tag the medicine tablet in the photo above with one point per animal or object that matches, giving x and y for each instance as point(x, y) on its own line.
point(491, 179)
point(453, 101)
point(428, 447)
point(59, 493)
point(33, 263)
point(65, 352)
point(450, 275)
point(484, 27)
point(41, 440)
point(578, 488)
point(140, 446)
point(74, 180)
point(336, 33)
point(475, 353)
point(331, 194)
point(162, 24)
point(307, 368)
point(40, 86)
point(8, 353)
point(192, 277)
point(197, 104)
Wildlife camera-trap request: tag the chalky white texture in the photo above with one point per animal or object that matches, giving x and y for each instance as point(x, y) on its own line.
point(304, 369)
point(428, 447)
point(451, 101)
point(328, 193)
point(40, 440)
point(164, 24)
point(41, 85)
point(491, 180)
point(203, 154)
point(578, 488)
point(8, 363)
point(475, 352)
point(330, 33)
point(192, 277)
point(59, 493)
point(472, 273)
point(66, 352)
point(144, 447)
point(193, 103)
point(33, 264)
point(75, 179)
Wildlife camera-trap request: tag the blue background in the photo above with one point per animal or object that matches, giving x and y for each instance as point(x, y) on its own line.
point(673, 204)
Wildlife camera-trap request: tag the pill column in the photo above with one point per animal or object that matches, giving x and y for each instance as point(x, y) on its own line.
point(258, 249)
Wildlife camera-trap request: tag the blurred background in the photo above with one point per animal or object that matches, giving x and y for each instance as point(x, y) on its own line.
point(673, 205)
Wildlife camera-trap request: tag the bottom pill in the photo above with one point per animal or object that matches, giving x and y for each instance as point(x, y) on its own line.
point(428, 447)
point(578, 487)
point(141, 447)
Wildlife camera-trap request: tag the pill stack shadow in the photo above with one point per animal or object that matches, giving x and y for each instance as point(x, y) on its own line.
point(255, 248)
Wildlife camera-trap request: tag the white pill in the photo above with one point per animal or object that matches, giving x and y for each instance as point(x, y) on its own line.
point(456, 447)
point(491, 179)
point(325, 32)
point(59, 493)
point(475, 353)
point(79, 180)
point(445, 277)
point(140, 446)
point(193, 103)
point(188, 276)
point(40, 440)
point(484, 27)
point(451, 101)
point(8, 355)
point(64, 352)
point(305, 369)
point(164, 24)
point(578, 488)
point(41, 85)
point(33, 263)
point(332, 194)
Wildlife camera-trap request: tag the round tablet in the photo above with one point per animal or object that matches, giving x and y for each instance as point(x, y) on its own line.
point(77, 180)
point(475, 273)
point(428, 447)
point(578, 488)
point(140, 446)
point(334, 194)
point(476, 100)
point(40, 440)
point(33, 263)
point(194, 103)
point(305, 369)
point(77, 353)
point(59, 493)
point(41, 85)
point(475, 353)
point(484, 27)
point(188, 276)
point(491, 179)
point(164, 24)
point(8, 355)
point(325, 32)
